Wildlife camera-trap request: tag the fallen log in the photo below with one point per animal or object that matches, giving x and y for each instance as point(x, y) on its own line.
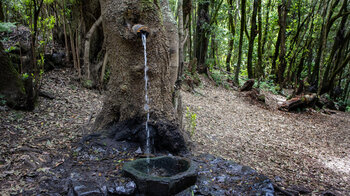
point(298, 102)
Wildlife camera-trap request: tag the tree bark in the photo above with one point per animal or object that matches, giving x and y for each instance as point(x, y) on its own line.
point(241, 34)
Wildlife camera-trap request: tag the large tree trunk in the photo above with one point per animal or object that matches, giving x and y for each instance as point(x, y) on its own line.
point(125, 99)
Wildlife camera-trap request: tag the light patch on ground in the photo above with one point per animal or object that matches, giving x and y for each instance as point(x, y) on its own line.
point(338, 164)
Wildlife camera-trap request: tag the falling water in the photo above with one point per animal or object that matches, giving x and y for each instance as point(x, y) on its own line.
point(146, 107)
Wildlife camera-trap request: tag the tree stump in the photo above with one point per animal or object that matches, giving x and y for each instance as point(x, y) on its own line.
point(248, 85)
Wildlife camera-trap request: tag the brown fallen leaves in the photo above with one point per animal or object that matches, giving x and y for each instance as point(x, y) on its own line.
point(307, 149)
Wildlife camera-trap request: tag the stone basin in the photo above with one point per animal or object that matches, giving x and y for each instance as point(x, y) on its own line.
point(166, 175)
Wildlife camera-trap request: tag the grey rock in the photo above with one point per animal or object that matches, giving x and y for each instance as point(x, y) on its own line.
point(86, 190)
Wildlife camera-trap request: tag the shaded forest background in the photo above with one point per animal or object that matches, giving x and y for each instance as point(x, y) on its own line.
point(300, 45)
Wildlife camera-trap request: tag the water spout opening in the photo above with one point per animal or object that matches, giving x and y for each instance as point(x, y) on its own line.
point(139, 30)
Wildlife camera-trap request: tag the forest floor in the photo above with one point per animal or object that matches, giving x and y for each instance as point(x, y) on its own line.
point(32, 140)
point(308, 149)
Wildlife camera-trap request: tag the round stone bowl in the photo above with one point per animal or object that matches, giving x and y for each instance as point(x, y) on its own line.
point(165, 175)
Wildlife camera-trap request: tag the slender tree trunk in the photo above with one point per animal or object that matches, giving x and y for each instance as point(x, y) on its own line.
point(65, 32)
point(213, 46)
point(181, 37)
point(103, 70)
point(75, 61)
point(2, 17)
point(194, 29)
point(338, 45)
point(33, 87)
point(87, 47)
point(253, 34)
point(232, 29)
point(241, 34)
point(77, 42)
point(275, 56)
point(266, 26)
point(310, 51)
point(327, 15)
point(259, 70)
point(282, 15)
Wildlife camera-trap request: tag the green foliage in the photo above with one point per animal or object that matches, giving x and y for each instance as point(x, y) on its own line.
point(7, 27)
point(2, 100)
point(269, 85)
point(191, 119)
point(11, 48)
point(25, 76)
point(87, 83)
point(347, 108)
point(217, 76)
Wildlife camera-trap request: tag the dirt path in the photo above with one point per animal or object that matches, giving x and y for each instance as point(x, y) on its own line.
point(310, 150)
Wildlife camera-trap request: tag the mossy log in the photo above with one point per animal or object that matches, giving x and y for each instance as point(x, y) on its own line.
point(301, 101)
point(11, 85)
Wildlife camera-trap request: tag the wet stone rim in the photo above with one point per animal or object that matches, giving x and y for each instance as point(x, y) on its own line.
point(156, 185)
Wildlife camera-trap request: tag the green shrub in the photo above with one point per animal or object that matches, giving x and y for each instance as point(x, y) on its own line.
point(217, 77)
point(87, 83)
point(2, 100)
point(7, 27)
point(191, 119)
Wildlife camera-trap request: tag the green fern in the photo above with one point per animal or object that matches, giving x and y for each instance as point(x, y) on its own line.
point(7, 27)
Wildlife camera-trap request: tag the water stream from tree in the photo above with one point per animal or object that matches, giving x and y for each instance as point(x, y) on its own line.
point(146, 107)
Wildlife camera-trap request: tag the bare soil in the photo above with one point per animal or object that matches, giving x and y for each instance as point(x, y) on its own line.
point(308, 149)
